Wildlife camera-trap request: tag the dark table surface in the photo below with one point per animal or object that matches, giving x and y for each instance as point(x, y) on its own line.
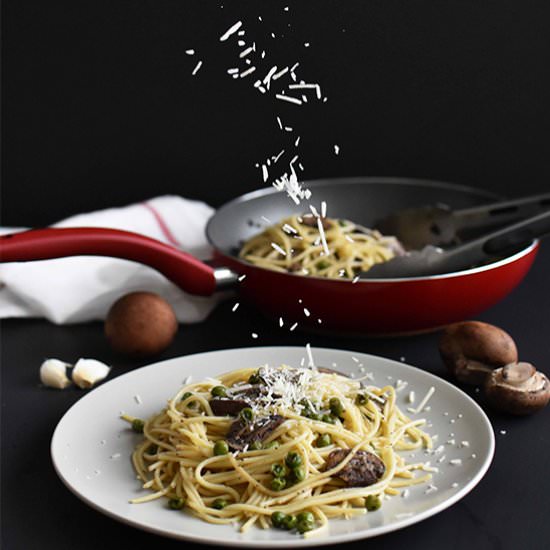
point(508, 509)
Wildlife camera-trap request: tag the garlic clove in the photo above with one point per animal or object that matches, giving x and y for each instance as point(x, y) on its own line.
point(53, 374)
point(88, 372)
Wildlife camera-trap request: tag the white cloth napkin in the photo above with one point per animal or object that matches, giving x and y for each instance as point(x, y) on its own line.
point(78, 289)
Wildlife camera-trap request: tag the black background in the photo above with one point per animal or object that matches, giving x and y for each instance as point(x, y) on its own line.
point(100, 109)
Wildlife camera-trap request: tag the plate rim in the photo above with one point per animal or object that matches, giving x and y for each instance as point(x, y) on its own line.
point(299, 542)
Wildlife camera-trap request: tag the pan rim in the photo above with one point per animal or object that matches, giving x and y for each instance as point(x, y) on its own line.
point(391, 180)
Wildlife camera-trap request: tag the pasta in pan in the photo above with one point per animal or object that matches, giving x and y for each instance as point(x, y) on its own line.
point(321, 247)
point(278, 447)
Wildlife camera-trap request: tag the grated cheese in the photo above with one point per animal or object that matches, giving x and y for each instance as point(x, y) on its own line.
point(278, 75)
point(276, 247)
point(310, 356)
point(234, 28)
point(197, 67)
point(246, 52)
point(323, 236)
point(289, 99)
point(425, 400)
point(267, 77)
point(247, 72)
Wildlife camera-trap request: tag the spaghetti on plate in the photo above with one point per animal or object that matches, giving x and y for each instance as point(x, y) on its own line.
point(278, 447)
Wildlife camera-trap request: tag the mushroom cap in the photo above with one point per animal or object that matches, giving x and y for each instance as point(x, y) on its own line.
point(472, 349)
point(141, 324)
point(517, 388)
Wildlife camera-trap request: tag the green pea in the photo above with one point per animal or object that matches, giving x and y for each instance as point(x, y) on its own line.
point(186, 396)
point(278, 470)
point(329, 419)
point(278, 483)
point(218, 391)
point(221, 447)
point(336, 407)
point(305, 521)
point(305, 516)
point(323, 440)
point(322, 264)
point(293, 460)
point(272, 445)
point(255, 446)
point(247, 414)
point(308, 413)
point(176, 503)
point(138, 425)
point(299, 473)
point(372, 503)
point(361, 399)
point(277, 519)
point(289, 522)
point(219, 503)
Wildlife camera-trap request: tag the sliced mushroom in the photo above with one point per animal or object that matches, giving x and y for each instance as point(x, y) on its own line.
point(518, 388)
point(362, 470)
point(242, 433)
point(472, 349)
point(228, 407)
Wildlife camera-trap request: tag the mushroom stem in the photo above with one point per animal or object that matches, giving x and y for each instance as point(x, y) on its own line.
point(518, 373)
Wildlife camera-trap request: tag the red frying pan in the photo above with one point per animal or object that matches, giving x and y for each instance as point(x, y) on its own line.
point(373, 306)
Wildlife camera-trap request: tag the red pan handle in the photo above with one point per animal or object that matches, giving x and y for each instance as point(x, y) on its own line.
point(181, 268)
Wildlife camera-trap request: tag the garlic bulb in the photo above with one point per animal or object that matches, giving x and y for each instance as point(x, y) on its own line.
point(87, 372)
point(53, 374)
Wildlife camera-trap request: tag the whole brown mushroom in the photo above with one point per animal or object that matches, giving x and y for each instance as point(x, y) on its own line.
point(140, 324)
point(517, 388)
point(471, 350)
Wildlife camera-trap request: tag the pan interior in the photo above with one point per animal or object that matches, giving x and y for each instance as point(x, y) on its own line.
point(362, 200)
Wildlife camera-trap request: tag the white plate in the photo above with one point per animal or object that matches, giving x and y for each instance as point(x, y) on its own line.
point(91, 446)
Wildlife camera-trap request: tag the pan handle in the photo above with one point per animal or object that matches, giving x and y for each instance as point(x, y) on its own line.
point(188, 273)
